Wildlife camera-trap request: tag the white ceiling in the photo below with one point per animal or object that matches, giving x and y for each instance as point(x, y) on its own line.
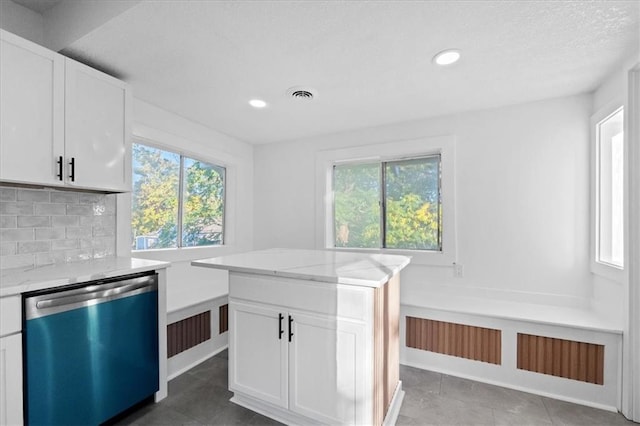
point(370, 61)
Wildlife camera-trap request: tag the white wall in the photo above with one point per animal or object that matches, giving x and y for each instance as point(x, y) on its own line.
point(522, 198)
point(610, 297)
point(21, 21)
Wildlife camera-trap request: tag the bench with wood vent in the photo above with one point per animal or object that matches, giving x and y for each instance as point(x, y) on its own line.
point(562, 358)
point(464, 341)
point(189, 332)
point(569, 353)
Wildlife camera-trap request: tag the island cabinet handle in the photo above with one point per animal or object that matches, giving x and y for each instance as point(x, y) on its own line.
point(290, 328)
point(280, 330)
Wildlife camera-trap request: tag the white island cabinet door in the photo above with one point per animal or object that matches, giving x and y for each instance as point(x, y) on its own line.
point(11, 380)
point(97, 129)
point(258, 353)
point(31, 112)
point(327, 366)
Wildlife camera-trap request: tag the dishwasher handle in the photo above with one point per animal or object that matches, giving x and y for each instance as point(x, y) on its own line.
point(92, 294)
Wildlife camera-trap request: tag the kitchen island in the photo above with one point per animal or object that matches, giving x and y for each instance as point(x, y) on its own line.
point(314, 334)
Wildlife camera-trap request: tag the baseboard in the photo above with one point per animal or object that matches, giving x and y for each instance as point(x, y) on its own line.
point(394, 408)
point(276, 413)
point(507, 385)
point(196, 362)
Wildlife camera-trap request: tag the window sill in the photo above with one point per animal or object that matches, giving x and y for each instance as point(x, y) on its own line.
point(183, 253)
point(418, 257)
point(609, 272)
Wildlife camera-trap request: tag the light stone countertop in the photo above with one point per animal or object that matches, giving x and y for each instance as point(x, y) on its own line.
point(20, 280)
point(331, 266)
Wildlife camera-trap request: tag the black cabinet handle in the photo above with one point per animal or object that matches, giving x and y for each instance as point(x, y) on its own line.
point(290, 328)
point(72, 163)
point(280, 330)
point(60, 166)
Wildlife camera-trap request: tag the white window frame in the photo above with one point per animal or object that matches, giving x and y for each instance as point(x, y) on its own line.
point(443, 145)
point(181, 164)
point(171, 142)
point(611, 272)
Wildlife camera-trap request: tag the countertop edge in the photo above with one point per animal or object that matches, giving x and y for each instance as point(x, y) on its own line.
point(102, 269)
point(293, 274)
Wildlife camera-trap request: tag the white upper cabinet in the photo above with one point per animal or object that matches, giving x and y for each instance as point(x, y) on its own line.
point(63, 123)
point(96, 129)
point(31, 112)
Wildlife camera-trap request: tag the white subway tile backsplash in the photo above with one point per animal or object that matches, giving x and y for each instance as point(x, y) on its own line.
point(34, 247)
point(48, 226)
point(8, 221)
point(80, 209)
point(64, 197)
point(7, 194)
point(7, 249)
point(63, 221)
point(35, 195)
point(77, 255)
point(104, 231)
point(16, 261)
point(13, 207)
point(50, 233)
point(16, 235)
point(50, 209)
point(100, 243)
point(65, 244)
point(110, 205)
point(79, 232)
point(42, 259)
point(88, 198)
point(34, 221)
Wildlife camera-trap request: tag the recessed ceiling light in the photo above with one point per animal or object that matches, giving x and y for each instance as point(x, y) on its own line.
point(447, 57)
point(257, 103)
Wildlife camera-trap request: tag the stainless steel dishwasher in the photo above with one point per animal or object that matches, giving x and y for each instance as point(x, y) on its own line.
point(91, 350)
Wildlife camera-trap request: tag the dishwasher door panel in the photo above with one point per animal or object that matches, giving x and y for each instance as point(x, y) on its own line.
point(86, 365)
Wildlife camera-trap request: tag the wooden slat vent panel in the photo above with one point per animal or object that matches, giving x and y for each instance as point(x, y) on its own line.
point(563, 358)
point(224, 318)
point(463, 341)
point(187, 333)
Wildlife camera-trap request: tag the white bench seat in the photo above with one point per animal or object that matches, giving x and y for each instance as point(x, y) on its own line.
point(571, 317)
point(512, 318)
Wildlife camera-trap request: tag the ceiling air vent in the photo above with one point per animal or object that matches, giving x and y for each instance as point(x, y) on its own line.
point(302, 93)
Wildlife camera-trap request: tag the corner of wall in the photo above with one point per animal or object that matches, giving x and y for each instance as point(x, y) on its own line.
point(21, 21)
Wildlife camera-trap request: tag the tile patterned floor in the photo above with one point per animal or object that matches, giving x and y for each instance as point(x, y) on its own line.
point(200, 397)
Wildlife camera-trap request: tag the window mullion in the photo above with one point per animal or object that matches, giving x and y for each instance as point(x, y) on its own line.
point(180, 202)
point(440, 225)
point(383, 206)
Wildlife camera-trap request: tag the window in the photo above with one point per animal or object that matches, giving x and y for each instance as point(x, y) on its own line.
point(404, 201)
point(609, 209)
point(177, 201)
point(388, 204)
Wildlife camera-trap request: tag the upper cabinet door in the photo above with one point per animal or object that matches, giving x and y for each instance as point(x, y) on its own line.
point(31, 112)
point(97, 129)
